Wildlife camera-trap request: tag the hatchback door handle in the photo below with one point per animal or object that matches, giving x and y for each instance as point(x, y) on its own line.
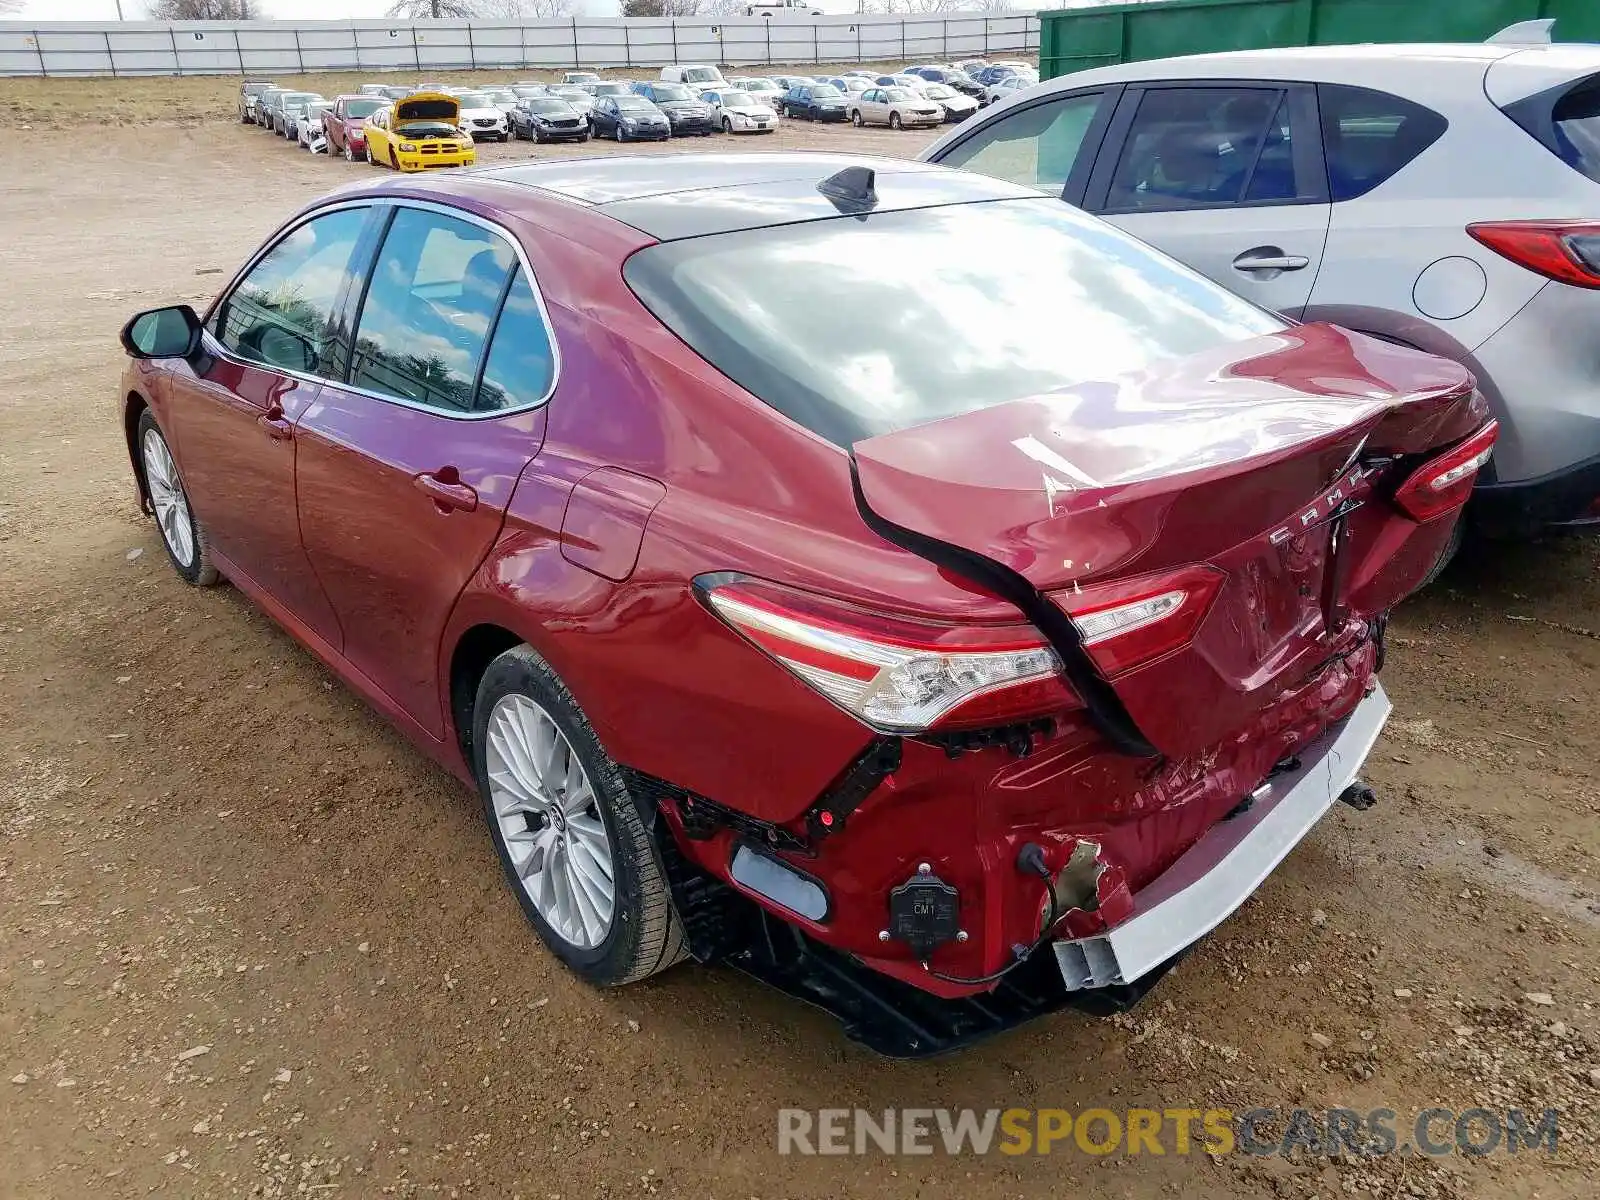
point(445, 489)
point(278, 427)
point(1270, 258)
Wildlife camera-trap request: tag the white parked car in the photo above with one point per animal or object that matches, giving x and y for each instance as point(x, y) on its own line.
point(896, 107)
point(696, 75)
point(482, 117)
point(308, 130)
point(1006, 88)
point(956, 106)
point(733, 111)
point(851, 85)
point(580, 77)
point(1445, 197)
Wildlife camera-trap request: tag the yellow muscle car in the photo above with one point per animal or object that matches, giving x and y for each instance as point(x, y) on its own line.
point(419, 132)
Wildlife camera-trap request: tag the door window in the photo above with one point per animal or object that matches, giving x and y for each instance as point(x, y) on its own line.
point(521, 363)
point(435, 288)
point(1035, 147)
point(282, 312)
point(1368, 136)
point(1199, 148)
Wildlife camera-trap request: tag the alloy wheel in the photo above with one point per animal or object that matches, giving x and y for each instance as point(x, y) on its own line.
point(549, 821)
point(168, 498)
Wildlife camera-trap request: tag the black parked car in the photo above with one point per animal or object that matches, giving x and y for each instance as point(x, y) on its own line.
point(686, 112)
point(629, 118)
point(548, 119)
point(815, 102)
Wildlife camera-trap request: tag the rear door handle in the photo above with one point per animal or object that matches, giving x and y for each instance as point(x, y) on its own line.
point(1270, 258)
point(278, 426)
point(445, 489)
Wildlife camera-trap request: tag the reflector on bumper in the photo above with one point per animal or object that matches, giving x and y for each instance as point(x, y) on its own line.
point(1221, 871)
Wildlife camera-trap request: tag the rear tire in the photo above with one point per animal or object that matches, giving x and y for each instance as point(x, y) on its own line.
point(855, 118)
point(556, 806)
point(182, 535)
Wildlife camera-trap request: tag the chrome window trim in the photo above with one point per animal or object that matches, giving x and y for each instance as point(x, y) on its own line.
point(215, 347)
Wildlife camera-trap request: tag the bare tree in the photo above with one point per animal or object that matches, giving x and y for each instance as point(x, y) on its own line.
point(436, 10)
point(205, 10)
point(519, 10)
point(660, 8)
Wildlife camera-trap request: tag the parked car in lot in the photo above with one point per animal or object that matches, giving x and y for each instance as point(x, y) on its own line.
point(282, 107)
point(582, 78)
point(504, 99)
point(687, 112)
point(1442, 197)
point(372, 89)
point(249, 98)
point(575, 95)
point(395, 92)
point(294, 111)
point(814, 102)
point(1005, 88)
point(956, 106)
point(942, 671)
point(851, 85)
point(345, 124)
point(629, 118)
point(950, 77)
point(788, 82)
point(309, 130)
point(482, 117)
point(266, 102)
point(900, 79)
point(895, 107)
point(419, 133)
point(763, 89)
point(611, 87)
point(734, 111)
point(697, 75)
point(549, 119)
point(530, 91)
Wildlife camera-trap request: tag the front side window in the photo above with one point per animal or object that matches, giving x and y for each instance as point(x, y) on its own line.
point(282, 313)
point(1192, 147)
point(1368, 136)
point(435, 287)
point(1035, 147)
point(857, 326)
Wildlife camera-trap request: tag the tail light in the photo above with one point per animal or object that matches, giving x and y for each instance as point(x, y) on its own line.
point(1125, 623)
point(895, 675)
point(1444, 483)
point(1568, 251)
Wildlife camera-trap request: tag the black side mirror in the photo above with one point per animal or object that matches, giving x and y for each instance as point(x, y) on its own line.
point(163, 333)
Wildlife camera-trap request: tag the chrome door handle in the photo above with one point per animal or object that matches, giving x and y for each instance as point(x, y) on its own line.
point(446, 490)
point(1270, 258)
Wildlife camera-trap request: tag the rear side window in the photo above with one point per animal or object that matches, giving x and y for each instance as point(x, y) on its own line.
point(857, 326)
point(435, 289)
point(1368, 136)
point(521, 363)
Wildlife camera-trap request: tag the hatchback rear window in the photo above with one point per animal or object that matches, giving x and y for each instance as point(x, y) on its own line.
point(855, 327)
point(1368, 136)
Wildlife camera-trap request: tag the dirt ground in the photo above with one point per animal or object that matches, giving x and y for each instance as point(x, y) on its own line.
point(252, 944)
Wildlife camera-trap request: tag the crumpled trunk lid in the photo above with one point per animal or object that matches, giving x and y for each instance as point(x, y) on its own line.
point(1237, 460)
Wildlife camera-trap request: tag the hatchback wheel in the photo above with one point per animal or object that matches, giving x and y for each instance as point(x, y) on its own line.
point(181, 532)
point(568, 833)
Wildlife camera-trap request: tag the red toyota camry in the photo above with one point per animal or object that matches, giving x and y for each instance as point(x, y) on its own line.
point(880, 578)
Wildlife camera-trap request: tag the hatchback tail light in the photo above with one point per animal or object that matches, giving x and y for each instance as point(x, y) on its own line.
point(895, 675)
point(1125, 623)
point(1568, 251)
point(1444, 483)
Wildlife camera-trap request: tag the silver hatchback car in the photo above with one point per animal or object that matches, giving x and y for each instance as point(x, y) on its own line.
point(1442, 196)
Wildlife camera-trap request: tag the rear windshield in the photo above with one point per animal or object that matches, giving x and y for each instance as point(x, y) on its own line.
point(859, 326)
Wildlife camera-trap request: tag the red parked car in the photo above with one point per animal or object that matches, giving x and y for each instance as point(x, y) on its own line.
point(345, 126)
point(894, 583)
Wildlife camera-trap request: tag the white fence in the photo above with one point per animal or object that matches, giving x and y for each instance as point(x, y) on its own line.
point(286, 47)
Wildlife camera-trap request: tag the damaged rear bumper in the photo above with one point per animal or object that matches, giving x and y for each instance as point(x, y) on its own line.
point(1221, 871)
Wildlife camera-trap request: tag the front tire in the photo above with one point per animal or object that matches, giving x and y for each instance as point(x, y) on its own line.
point(188, 548)
point(568, 833)
point(894, 120)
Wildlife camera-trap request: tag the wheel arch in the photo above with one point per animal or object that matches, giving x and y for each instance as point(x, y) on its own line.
point(133, 407)
point(475, 648)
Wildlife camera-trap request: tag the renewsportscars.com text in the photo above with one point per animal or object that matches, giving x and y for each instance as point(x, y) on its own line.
point(1264, 1132)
